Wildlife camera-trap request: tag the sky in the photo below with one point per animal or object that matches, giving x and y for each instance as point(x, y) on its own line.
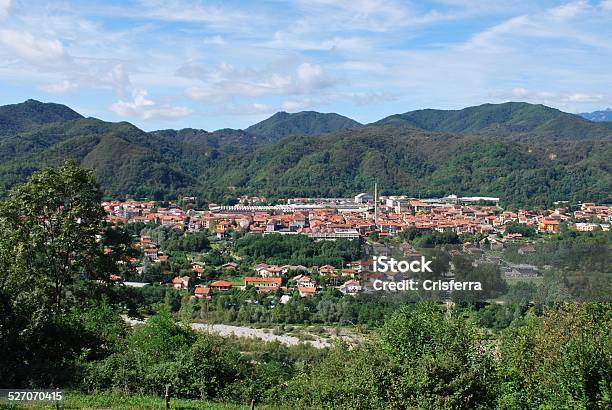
point(217, 64)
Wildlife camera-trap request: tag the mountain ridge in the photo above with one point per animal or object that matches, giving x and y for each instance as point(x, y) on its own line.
point(520, 167)
point(598, 116)
point(283, 124)
point(15, 118)
point(517, 118)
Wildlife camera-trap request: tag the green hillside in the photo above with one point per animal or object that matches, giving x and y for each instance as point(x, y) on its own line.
point(513, 118)
point(30, 114)
point(419, 163)
point(523, 168)
point(125, 159)
point(226, 137)
point(283, 124)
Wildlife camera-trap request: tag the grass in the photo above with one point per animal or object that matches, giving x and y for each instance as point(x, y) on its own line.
point(75, 400)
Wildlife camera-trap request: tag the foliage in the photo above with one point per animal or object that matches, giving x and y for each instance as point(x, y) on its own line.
point(525, 230)
point(15, 118)
point(429, 238)
point(506, 118)
point(283, 124)
point(52, 234)
point(559, 360)
point(518, 158)
point(298, 250)
point(423, 359)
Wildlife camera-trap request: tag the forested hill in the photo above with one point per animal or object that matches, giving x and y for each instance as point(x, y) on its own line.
point(534, 169)
point(283, 124)
point(30, 114)
point(125, 158)
point(512, 118)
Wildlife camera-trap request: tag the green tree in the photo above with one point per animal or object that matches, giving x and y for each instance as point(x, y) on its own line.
point(52, 235)
point(559, 360)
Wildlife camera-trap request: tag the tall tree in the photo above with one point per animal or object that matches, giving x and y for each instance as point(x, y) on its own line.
point(51, 234)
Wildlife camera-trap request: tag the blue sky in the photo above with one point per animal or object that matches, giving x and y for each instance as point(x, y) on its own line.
point(216, 64)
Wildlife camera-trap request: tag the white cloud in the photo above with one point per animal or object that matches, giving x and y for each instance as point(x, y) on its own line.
point(310, 77)
point(305, 41)
point(61, 87)
point(214, 40)
point(33, 49)
point(248, 109)
point(5, 7)
point(146, 109)
point(120, 80)
point(179, 10)
point(606, 5)
point(487, 38)
point(297, 105)
point(372, 97)
point(569, 11)
point(226, 82)
point(555, 22)
point(549, 97)
point(369, 15)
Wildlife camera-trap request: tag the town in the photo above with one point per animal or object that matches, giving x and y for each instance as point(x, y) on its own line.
point(361, 218)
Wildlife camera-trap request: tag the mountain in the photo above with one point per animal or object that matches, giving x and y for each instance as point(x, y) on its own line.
point(283, 124)
point(481, 157)
point(516, 119)
point(404, 160)
point(124, 158)
point(598, 116)
point(219, 139)
point(30, 114)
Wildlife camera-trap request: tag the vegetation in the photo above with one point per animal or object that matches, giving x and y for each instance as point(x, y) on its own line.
point(15, 118)
point(516, 118)
point(283, 124)
point(298, 250)
point(525, 230)
point(60, 326)
point(422, 164)
point(524, 165)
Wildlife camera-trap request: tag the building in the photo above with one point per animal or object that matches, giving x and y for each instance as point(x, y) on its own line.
point(263, 284)
point(586, 227)
point(306, 291)
point(221, 285)
point(548, 225)
point(363, 198)
point(327, 270)
point(350, 287)
point(180, 282)
point(202, 292)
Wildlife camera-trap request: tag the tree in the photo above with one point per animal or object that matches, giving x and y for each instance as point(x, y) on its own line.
point(559, 360)
point(52, 222)
point(52, 235)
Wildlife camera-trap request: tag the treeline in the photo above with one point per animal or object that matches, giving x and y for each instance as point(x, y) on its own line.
point(423, 357)
point(298, 250)
point(172, 240)
point(427, 238)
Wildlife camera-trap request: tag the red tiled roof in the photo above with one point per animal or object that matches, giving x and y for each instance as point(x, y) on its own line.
point(221, 284)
